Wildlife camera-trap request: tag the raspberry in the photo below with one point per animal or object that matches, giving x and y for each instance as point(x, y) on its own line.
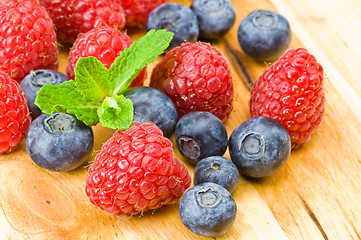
point(196, 76)
point(137, 11)
point(27, 38)
point(291, 92)
point(104, 43)
point(72, 17)
point(14, 114)
point(136, 171)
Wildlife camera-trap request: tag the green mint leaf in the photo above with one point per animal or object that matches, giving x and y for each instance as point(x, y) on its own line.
point(96, 92)
point(92, 78)
point(116, 112)
point(133, 59)
point(65, 98)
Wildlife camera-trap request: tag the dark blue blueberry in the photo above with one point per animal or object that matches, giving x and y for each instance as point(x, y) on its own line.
point(59, 142)
point(264, 35)
point(215, 18)
point(217, 169)
point(199, 135)
point(176, 18)
point(32, 83)
point(259, 147)
point(207, 209)
point(153, 105)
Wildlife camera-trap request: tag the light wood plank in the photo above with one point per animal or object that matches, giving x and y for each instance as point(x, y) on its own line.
point(315, 196)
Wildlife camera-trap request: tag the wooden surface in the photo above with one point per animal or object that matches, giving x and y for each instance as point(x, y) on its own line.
point(316, 195)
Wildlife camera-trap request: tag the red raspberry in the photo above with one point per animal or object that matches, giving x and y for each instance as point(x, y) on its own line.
point(291, 92)
point(137, 11)
point(27, 38)
point(104, 43)
point(72, 17)
point(136, 171)
point(14, 114)
point(196, 76)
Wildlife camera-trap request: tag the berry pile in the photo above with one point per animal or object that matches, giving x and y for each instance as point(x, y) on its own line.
point(190, 95)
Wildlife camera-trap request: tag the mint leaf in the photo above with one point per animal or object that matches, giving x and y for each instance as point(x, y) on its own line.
point(92, 78)
point(133, 59)
point(116, 112)
point(65, 98)
point(96, 92)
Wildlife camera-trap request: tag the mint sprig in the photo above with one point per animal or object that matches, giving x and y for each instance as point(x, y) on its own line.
point(96, 94)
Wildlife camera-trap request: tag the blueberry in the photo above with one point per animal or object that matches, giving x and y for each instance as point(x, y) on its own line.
point(59, 142)
point(259, 147)
point(264, 35)
point(207, 209)
point(199, 135)
point(217, 169)
point(215, 18)
point(32, 83)
point(176, 18)
point(153, 105)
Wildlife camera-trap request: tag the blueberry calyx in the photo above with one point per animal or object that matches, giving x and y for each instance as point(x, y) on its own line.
point(266, 20)
point(189, 147)
point(215, 166)
point(213, 5)
point(58, 123)
point(208, 197)
point(41, 78)
point(253, 145)
point(167, 25)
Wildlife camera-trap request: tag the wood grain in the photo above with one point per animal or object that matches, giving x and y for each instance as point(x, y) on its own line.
point(316, 195)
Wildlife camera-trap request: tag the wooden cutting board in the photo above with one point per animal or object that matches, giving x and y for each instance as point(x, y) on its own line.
point(316, 195)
